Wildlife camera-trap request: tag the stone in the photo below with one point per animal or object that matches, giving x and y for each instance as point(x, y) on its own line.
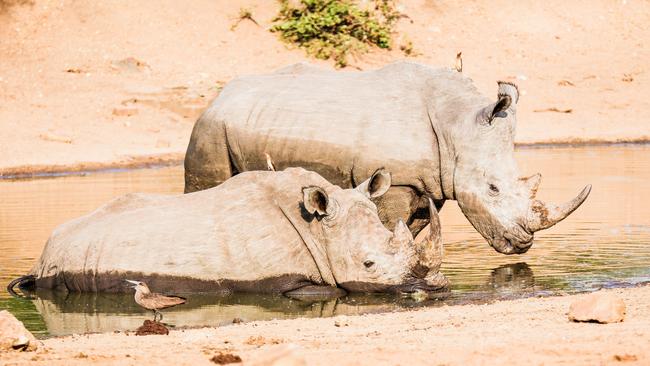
point(224, 358)
point(14, 335)
point(598, 307)
point(130, 64)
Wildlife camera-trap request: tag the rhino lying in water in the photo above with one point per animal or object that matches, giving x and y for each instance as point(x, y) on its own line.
point(288, 232)
point(431, 128)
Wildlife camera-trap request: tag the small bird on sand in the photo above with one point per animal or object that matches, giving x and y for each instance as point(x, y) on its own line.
point(459, 62)
point(153, 301)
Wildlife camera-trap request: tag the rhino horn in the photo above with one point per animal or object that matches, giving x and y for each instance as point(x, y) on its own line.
point(430, 248)
point(532, 184)
point(541, 216)
point(402, 236)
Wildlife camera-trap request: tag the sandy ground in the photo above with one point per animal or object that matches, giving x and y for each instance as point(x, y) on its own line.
point(86, 84)
point(525, 332)
point(89, 84)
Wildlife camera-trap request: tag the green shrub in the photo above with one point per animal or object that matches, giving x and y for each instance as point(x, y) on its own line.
point(336, 28)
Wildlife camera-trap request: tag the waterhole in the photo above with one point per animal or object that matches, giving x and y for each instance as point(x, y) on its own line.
point(605, 243)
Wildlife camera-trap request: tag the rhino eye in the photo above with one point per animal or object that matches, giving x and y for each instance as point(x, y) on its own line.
point(494, 189)
point(368, 264)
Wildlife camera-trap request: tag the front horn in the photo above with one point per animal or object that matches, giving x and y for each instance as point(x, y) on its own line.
point(541, 217)
point(430, 249)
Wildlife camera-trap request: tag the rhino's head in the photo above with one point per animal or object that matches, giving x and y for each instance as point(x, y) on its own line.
point(486, 183)
point(363, 255)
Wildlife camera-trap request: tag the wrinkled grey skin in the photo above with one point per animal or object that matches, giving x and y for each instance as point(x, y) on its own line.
point(439, 137)
point(281, 232)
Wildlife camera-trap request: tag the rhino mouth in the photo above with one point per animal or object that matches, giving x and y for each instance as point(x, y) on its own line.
point(508, 246)
point(514, 241)
point(433, 283)
point(436, 282)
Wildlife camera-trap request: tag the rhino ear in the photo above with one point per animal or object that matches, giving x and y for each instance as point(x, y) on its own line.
point(376, 185)
point(507, 94)
point(500, 107)
point(508, 89)
point(315, 200)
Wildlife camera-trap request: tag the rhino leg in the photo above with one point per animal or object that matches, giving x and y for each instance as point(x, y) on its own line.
point(207, 160)
point(400, 203)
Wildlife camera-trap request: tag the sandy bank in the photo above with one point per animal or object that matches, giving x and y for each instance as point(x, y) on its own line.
point(528, 331)
point(95, 84)
point(130, 162)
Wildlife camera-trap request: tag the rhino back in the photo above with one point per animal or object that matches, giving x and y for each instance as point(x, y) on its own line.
point(234, 232)
point(342, 125)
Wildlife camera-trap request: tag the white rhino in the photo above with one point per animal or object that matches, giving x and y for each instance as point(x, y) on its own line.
point(431, 128)
point(288, 232)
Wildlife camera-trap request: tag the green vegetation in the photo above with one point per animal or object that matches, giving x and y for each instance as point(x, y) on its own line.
point(335, 29)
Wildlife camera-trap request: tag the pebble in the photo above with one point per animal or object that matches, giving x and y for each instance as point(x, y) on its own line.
point(598, 307)
point(14, 335)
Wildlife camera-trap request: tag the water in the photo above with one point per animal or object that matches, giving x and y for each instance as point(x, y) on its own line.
point(606, 243)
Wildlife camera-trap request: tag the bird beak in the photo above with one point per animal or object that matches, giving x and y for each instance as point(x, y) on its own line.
point(134, 283)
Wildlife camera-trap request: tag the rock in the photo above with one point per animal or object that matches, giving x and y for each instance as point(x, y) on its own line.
point(225, 358)
point(151, 328)
point(130, 64)
point(625, 358)
point(341, 323)
point(597, 307)
point(14, 335)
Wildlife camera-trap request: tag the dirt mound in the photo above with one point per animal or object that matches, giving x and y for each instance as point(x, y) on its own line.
point(151, 328)
point(225, 358)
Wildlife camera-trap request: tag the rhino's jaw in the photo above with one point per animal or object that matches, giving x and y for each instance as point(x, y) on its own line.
point(508, 245)
point(436, 282)
point(505, 238)
point(515, 239)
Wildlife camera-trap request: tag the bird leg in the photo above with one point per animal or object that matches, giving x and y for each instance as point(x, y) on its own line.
point(156, 314)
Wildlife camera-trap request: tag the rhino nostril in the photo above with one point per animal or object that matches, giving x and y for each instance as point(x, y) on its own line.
point(525, 246)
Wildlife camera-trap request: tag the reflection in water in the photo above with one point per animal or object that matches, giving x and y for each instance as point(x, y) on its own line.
point(66, 313)
point(603, 244)
point(515, 279)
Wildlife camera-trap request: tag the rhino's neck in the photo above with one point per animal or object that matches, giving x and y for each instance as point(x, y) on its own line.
point(446, 159)
point(452, 98)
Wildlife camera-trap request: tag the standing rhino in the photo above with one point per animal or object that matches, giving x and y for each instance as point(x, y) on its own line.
point(431, 128)
point(286, 232)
